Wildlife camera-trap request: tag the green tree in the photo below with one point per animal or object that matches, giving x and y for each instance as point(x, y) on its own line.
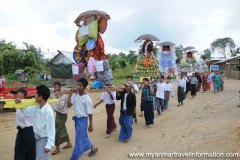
point(223, 46)
point(179, 53)
point(132, 57)
point(12, 58)
point(118, 62)
point(206, 54)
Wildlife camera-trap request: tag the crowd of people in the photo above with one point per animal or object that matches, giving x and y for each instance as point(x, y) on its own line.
point(40, 129)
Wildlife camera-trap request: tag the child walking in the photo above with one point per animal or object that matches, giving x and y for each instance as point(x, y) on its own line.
point(82, 111)
point(109, 98)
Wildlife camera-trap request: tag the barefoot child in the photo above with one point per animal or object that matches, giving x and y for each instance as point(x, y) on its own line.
point(82, 111)
point(43, 123)
point(109, 98)
point(25, 146)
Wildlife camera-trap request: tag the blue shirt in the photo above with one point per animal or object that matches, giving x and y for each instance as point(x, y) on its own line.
point(147, 95)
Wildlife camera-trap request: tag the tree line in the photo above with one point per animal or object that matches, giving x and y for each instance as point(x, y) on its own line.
point(12, 58)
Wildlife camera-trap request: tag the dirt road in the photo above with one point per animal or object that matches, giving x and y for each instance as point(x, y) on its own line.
point(208, 123)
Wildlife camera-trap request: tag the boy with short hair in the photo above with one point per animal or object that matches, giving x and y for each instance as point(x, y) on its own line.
point(109, 98)
point(61, 109)
point(147, 101)
point(43, 123)
point(82, 110)
point(160, 95)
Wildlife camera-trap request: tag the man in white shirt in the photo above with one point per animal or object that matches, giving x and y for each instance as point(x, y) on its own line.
point(135, 90)
point(109, 98)
point(181, 84)
point(160, 95)
point(43, 123)
point(25, 145)
point(168, 92)
point(61, 109)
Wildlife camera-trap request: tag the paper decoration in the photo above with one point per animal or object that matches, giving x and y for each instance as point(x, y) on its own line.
point(75, 69)
point(84, 31)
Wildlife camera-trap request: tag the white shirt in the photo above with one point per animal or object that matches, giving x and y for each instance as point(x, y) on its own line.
point(23, 120)
point(107, 98)
point(168, 87)
point(125, 102)
point(83, 105)
point(61, 106)
point(43, 122)
point(186, 79)
point(136, 88)
point(181, 83)
point(160, 90)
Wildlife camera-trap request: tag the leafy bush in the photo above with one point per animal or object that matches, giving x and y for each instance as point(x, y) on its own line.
point(122, 73)
point(11, 76)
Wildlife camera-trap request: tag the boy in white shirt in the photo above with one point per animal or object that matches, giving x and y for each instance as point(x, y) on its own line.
point(109, 98)
point(160, 95)
point(168, 93)
point(25, 145)
point(43, 123)
point(83, 109)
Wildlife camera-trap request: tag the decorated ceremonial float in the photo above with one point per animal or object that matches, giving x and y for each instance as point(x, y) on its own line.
point(167, 60)
point(89, 53)
point(190, 62)
point(147, 64)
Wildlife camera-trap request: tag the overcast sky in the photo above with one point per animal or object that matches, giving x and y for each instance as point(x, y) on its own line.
point(49, 23)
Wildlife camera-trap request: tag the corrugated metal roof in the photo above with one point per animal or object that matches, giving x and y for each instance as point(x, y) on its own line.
point(62, 57)
point(69, 55)
point(20, 71)
point(238, 56)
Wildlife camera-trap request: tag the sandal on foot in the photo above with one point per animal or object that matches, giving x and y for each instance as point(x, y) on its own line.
point(55, 152)
point(93, 152)
point(67, 146)
point(114, 130)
